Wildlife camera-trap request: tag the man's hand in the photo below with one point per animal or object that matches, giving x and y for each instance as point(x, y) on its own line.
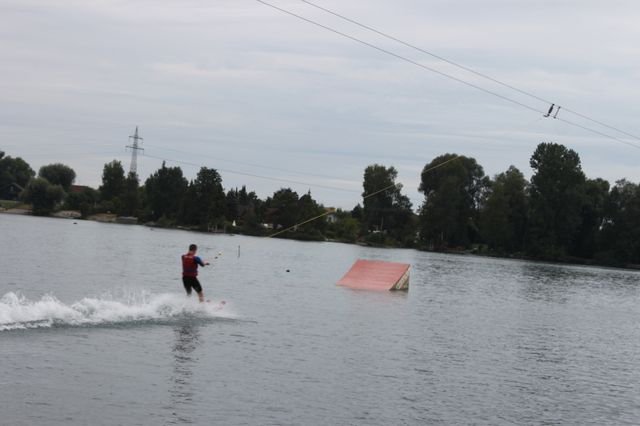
point(206, 263)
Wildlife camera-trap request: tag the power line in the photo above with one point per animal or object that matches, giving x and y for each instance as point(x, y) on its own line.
point(404, 58)
point(296, 182)
point(395, 185)
point(253, 164)
point(134, 152)
point(312, 185)
point(459, 80)
point(412, 46)
point(597, 132)
point(364, 197)
point(455, 157)
point(299, 224)
point(602, 124)
point(465, 68)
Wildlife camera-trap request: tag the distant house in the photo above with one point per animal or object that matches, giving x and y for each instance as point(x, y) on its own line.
point(270, 218)
point(11, 191)
point(78, 189)
point(332, 216)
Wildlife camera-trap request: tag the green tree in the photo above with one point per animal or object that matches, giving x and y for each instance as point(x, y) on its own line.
point(308, 208)
point(385, 208)
point(402, 221)
point(356, 213)
point(619, 238)
point(592, 216)
point(164, 193)
point(58, 174)
point(557, 189)
point(454, 187)
point(205, 200)
point(232, 205)
point(250, 211)
point(345, 228)
point(13, 171)
point(42, 195)
point(83, 201)
point(504, 215)
point(380, 192)
point(113, 181)
point(282, 208)
point(130, 196)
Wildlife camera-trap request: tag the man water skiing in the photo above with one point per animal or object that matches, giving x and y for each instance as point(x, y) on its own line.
point(190, 264)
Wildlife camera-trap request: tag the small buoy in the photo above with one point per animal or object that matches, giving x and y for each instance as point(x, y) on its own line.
point(288, 270)
point(75, 223)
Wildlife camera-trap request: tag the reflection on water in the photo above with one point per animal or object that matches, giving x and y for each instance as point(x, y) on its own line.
point(187, 340)
point(560, 284)
point(545, 283)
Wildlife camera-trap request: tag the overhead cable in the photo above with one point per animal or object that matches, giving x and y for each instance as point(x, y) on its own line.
point(312, 185)
point(364, 197)
point(459, 80)
point(465, 68)
point(404, 58)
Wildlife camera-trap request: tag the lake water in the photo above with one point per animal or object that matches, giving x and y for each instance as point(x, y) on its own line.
point(96, 329)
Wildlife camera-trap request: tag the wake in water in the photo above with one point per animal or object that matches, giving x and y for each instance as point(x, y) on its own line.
point(17, 312)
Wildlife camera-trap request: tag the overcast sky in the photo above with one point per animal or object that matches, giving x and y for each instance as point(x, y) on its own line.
point(250, 91)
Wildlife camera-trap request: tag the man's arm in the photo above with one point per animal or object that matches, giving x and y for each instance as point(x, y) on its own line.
point(200, 262)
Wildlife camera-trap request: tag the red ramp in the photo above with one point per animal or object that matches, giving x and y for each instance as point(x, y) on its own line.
point(377, 275)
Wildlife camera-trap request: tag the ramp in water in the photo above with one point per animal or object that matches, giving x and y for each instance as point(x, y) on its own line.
point(377, 275)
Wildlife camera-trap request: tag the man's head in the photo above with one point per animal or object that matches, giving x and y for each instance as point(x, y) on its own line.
point(193, 249)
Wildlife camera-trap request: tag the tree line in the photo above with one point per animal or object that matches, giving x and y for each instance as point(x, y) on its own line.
point(559, 214)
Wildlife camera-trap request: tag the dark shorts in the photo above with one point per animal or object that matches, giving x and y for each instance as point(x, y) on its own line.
point(191, 283)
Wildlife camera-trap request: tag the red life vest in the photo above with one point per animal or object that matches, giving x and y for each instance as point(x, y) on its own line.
point(189, 266)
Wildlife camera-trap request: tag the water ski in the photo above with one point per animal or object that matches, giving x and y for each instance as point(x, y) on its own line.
point(220, 305)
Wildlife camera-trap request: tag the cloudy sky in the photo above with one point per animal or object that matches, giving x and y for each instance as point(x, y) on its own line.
point(262, 96)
